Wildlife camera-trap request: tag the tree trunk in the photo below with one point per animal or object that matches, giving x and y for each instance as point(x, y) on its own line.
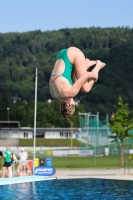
point(121, 157)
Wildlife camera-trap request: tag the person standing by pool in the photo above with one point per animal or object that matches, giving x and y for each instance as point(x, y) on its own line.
point(7, 163)
point(23, 155)
point(70, 75)
point(13, 158)
point(23, 167)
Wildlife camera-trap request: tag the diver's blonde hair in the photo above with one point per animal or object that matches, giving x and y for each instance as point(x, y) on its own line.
point(67, 110)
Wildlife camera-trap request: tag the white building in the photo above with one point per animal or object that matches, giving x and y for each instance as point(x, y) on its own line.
point(12, 129)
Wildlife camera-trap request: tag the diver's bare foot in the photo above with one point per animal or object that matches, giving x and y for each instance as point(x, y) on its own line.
point(89, 63)
point(100, 64)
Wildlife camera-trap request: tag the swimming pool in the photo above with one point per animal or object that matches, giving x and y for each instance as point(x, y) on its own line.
point(69, 189)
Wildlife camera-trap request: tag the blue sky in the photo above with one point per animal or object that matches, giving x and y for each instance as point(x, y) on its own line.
point(30, 15)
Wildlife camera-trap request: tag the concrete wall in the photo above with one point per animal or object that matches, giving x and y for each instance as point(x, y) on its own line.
point(15, 134)
point(51, 135)
point(9, 141)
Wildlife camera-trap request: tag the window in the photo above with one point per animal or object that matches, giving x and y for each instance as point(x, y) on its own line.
point(5, 132)
point(25, 135)
point(39, 135)
point(63, 135)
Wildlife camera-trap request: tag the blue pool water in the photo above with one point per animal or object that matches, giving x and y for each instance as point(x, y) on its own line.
point(70, 189)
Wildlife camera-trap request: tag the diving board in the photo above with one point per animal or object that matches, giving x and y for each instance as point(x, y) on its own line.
point(25, 179)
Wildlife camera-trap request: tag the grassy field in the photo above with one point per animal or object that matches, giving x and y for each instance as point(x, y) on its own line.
point(109, 162)
point(90, 162)
point(49, 142)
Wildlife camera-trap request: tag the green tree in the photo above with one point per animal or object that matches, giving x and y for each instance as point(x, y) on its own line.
point(121, 126)
point(5, 102)
point(21, 53)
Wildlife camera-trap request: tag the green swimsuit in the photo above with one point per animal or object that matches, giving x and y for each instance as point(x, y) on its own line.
point(67, 72)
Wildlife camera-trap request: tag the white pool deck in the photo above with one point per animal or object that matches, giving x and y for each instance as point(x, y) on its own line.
point(119, 174)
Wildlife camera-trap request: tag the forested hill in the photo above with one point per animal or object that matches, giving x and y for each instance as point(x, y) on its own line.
point(21, 53)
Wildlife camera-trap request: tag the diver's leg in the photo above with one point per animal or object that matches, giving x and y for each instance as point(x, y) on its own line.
point(80, 67)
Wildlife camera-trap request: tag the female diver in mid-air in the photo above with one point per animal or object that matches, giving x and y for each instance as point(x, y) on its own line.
point(70, 75)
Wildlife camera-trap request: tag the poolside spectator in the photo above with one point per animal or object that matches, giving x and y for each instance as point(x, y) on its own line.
point(13, 158)
point(7, 163)
point(23, 155)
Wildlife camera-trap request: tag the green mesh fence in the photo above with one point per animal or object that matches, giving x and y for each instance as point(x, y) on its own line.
point(95, 136)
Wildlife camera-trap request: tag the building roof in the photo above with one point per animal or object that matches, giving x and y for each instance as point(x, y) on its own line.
point(9, 124)
point(50, 129)
point(16, 125)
